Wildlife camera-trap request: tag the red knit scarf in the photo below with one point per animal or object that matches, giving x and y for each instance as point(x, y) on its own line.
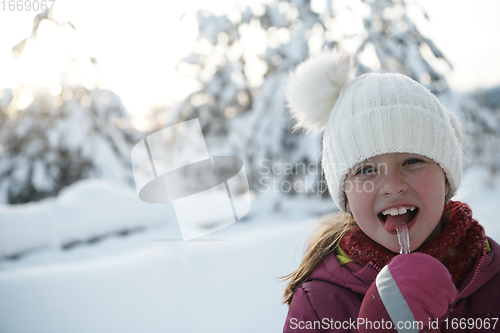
point(458, 246)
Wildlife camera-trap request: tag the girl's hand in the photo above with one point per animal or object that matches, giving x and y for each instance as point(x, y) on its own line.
point(414, 291)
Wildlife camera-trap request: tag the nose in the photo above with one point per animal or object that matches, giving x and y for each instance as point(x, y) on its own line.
point(393, 183)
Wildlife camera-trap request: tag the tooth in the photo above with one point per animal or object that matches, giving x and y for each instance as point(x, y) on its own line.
point(412, 209)
point(394, 211)
point(402, 210)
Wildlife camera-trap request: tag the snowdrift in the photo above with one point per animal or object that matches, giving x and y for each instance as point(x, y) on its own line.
point(83, 212)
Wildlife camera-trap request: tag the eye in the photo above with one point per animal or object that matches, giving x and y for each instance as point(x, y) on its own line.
point(366, 170)
point(413, 161)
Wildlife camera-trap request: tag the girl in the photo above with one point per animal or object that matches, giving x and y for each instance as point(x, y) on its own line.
point(392, 156)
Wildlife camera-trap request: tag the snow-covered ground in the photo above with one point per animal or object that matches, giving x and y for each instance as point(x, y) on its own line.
point(150, 281)
point(483, 195)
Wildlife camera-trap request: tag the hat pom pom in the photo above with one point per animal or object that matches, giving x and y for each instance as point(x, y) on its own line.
point(314, 88)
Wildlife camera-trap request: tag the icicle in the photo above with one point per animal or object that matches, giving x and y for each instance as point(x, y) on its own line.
point(403, 238)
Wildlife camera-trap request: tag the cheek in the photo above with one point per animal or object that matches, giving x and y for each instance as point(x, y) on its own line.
point(431, 187)
point(359, 201)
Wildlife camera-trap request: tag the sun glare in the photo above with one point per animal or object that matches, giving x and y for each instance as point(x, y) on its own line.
point(41, 60)
point(52, 59)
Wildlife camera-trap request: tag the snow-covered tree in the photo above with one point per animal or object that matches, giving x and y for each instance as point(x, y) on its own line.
point(62, 137)
point(398, 46)
point(484, 128)
point(242, 61)
point(395, 41)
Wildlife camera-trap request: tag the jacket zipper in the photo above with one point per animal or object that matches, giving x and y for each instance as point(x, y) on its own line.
point(473, 274)
point(374, 265)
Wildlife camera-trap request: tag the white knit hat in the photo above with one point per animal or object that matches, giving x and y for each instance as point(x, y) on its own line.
point(370, 115)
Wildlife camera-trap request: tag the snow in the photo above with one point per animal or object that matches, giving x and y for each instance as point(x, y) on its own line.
point(46, 147)
point(97, 259)
point(219, 286)
point(483, 195)
point(87, 210)
point(150, 281)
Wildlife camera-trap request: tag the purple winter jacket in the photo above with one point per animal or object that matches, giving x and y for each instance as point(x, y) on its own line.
point(333, 294)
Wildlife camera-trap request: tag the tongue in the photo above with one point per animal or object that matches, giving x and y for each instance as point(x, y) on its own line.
point(392, 222)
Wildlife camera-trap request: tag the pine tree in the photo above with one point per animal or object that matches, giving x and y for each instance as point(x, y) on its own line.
point(243, 60)
point(62, 138)
point(241, 103)
point(397, 44)
point(483, 108)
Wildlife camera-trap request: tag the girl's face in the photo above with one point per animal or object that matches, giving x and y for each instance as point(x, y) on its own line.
point(390, 189)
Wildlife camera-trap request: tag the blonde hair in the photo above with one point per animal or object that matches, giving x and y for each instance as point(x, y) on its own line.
point(322, 242)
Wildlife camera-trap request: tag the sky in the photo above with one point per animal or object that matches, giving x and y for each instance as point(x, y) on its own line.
point(138, 44)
